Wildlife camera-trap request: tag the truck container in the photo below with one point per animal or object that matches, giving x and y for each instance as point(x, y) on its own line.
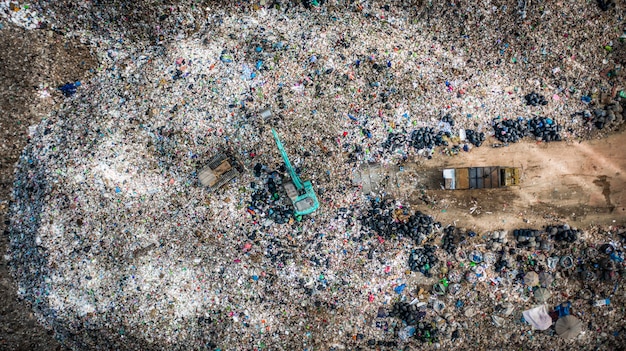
point(480, 177)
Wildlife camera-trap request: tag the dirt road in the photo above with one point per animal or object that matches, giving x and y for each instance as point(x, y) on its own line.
point(580, 183)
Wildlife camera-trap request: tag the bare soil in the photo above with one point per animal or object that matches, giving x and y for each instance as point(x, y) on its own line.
point(28, 59)
point(581, 183)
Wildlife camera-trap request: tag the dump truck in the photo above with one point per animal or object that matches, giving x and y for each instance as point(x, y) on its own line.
point(480, 177)
point(221, 169)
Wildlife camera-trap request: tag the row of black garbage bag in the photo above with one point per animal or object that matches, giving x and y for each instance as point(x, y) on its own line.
point(506, 131)
point(512, 130)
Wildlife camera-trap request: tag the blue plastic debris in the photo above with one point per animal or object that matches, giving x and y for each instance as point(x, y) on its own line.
point(563, 309)
point(407, 332)
point(615, 256)
point(225, 57)
point(476, 256)
point(586, 99)
point(399, 289)
point(69, 89)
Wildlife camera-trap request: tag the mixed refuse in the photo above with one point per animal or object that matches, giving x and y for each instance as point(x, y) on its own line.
point(114, 239)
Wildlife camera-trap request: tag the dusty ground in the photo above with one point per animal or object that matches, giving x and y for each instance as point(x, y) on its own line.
point(579, 183)
point(28, 59)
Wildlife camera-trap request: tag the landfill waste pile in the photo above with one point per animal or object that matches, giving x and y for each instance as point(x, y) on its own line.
point(116, 244)
point(535, 99)
point(510, 130)
point(388, 221)
point(609, 114)
point(474, 137)
point(544, 129)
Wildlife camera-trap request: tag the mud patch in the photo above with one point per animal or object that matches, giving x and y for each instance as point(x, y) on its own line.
point(604, 183)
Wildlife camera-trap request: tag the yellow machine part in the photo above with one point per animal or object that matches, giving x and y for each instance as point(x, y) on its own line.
point(511, 176)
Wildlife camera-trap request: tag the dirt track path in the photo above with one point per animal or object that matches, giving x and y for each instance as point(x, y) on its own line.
point(580, 183)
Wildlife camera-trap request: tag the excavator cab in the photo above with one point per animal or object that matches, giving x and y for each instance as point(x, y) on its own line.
point(304, 201)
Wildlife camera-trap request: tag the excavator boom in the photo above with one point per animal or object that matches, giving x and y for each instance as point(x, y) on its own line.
point(292, 172)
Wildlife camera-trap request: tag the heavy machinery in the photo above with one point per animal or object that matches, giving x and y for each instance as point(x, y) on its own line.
point(301, 194)
point(480, 177)
point(220, 170)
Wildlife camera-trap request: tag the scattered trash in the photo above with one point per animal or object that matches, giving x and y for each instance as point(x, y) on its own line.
point(542, 294)
point(538, 317)
point(534, 99)
point(114, 210)
point(531, 278)
point(602, 302)
point(568, 327)
point(69, 89)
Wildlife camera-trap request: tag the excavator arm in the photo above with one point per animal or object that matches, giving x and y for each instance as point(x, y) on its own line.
point(301, 194)
point(292, 172)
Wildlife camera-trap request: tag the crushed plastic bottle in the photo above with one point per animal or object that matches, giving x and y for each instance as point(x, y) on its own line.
point(406, 332)
point(602, 302)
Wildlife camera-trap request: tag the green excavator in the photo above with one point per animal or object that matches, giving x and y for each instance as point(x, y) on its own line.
point(301, 194)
